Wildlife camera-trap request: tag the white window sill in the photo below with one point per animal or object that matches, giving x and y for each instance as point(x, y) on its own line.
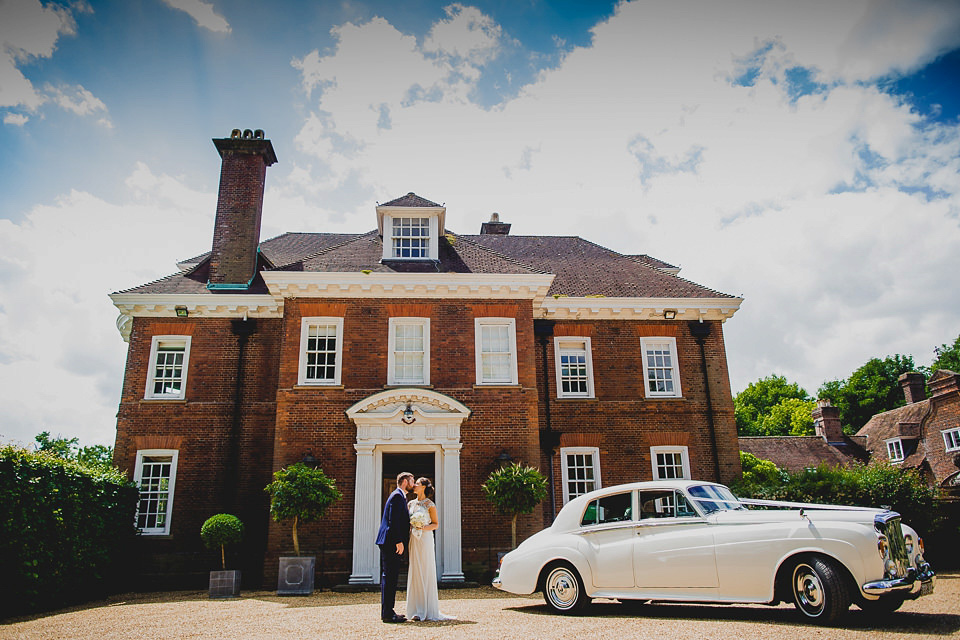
point(300, 387)
point(497, 385)
point(163, 401)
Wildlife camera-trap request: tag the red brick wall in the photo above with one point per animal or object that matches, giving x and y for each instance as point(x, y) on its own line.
point(200, 427)
point(282, 422)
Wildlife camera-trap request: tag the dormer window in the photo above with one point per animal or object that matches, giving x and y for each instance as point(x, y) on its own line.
point(410, 227)
point(411, 238)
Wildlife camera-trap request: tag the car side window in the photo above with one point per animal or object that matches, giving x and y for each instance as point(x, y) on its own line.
point(664, 504)
point(615, 508)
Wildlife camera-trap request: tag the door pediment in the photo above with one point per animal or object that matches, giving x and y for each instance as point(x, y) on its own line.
point(435, 417)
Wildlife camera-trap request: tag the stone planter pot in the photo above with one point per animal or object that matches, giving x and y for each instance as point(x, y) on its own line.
point(296, 576)
point(224, 584)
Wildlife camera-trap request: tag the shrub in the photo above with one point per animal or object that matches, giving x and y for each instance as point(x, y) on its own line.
point(515, 489)
point(219, 531)
point(874, 485)
point(64, 529)
point(301, 493)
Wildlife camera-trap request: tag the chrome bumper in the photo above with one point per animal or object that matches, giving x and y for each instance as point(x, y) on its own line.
point(916, 583)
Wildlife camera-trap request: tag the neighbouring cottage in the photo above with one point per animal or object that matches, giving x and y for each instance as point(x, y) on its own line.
point(408, 347)
point(829, 445)
point(924, 434)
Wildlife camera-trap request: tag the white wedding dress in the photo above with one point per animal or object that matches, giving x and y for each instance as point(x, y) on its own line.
point(423, 601)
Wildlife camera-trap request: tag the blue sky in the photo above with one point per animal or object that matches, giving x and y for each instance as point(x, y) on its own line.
point(803, 155)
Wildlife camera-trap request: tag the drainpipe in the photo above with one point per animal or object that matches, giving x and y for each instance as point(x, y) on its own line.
point(243, 329)
point(549, 439)
point(700, 331)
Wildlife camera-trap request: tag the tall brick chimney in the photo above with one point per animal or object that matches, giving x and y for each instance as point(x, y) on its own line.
point(236, 231)
point(826, 422)
point(913, 387)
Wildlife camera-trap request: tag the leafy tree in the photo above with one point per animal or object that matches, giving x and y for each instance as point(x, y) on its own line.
point(301, 493)
point(791, 416)
point(219, 531)
point(948, 357)
point(515, 489)
point(759, 472)
point(97, 456)
point(754, 405)
point(59, 446)
point(871, 389)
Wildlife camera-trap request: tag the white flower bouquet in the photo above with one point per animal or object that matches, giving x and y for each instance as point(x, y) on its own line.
point(418, 520)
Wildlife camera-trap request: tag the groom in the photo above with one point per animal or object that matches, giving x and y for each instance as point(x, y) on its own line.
point(392, 537)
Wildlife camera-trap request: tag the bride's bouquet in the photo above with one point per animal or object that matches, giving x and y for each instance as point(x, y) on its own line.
point(418, 520)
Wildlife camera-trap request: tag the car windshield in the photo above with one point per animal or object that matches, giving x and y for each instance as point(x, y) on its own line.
point(714, 498)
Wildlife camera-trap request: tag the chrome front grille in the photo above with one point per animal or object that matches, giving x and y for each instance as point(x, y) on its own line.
point(888, 524)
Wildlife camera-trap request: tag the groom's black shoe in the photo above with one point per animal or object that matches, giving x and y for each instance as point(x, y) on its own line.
point(396, 618)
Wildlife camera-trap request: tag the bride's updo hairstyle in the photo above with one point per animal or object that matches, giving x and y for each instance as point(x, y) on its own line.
point(427, 487)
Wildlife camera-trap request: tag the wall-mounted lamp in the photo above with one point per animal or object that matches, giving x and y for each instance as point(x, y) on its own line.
point(408, 417)
point(181, 311)
point(309, 460)
point(669, 314)
point(504, 458)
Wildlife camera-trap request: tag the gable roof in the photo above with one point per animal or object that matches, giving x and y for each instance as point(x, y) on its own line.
point(796, 453)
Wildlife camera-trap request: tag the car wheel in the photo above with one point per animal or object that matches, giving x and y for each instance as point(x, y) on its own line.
point(563, 589)
point(818, 590)
point(884, 606)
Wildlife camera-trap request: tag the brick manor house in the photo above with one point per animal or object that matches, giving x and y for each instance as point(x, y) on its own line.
point(408, 347)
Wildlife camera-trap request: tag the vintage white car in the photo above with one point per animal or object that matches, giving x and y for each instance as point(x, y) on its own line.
point(691, 541)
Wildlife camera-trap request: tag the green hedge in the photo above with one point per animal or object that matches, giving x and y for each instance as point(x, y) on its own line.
point(64, 529)
point(936, 519)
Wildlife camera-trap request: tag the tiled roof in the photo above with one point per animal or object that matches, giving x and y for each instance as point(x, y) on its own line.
point(886, 425)
point(410, 200)
point(581, 267)
point(796, 453)
point(654, 262)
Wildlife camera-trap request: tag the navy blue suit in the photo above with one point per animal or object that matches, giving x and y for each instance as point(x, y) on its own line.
point(394, 528)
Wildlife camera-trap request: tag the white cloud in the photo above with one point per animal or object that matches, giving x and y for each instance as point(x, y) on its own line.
point(17, 119)
point(30, 31)
point(203, 13)
point(61, 359)
point(804, 202)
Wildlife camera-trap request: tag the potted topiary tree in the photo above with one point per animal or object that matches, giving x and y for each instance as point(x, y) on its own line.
point(303, 494)
point(515, 489)
point(219, 531)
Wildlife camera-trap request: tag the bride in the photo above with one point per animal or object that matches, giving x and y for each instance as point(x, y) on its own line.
point(422, 599)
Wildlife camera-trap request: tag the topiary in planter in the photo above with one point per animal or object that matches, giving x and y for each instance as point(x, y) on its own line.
point(221, 530)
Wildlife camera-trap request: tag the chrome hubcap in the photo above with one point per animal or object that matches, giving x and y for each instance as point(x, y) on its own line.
point(808, 590)
point(562, 588)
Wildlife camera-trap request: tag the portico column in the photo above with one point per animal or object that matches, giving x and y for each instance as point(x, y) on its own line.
point(364, 519)
point(450, 514)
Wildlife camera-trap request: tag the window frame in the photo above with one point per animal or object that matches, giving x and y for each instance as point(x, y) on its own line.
point(171, 488)
point(897, 443)
point(305, 324)
point(951, 434)
point(432, 237)
point(675, 367)
point(391, 350)
point(684, 452)
point(564, 469)
point(155, 342)
point(588, 351)
point(511, 324)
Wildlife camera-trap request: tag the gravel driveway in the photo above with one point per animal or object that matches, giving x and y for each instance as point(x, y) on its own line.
point(482, 612)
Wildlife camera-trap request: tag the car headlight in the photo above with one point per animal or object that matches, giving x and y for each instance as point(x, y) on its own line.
point(882, 547)
point(908, 541)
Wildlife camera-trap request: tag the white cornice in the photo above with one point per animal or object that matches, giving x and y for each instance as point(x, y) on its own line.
point(585, 308)
point(285, 284)
point(201, 305)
